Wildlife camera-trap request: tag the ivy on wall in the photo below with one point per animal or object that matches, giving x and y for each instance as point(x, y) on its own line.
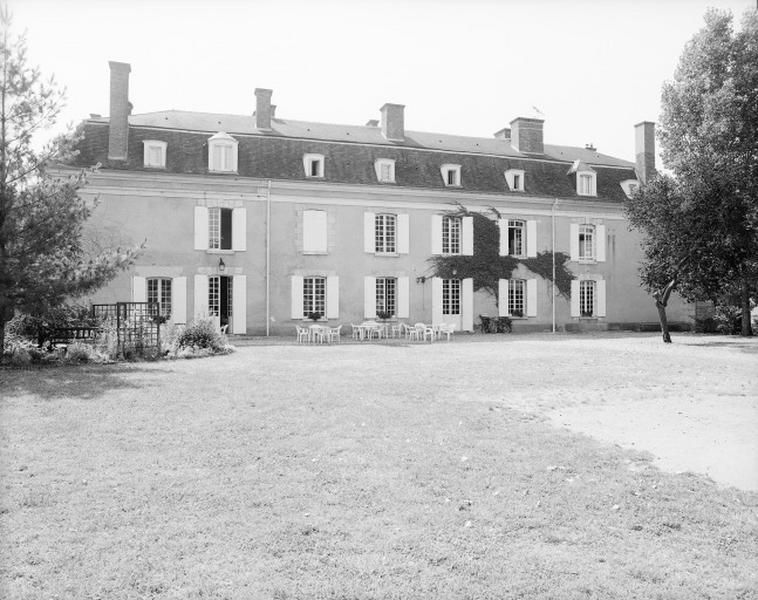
point(486, 266)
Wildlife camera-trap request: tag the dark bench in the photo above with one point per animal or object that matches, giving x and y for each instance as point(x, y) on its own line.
point(68, 335)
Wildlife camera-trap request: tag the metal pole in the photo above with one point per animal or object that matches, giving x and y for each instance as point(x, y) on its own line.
point(555, 202)
point(268, 258)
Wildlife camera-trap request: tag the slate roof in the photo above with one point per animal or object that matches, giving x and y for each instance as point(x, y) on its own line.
point(350, 152)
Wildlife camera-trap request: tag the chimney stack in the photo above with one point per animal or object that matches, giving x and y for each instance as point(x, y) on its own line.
point(644, 150)
point(393, 122)
point(526, 135)
point(263, 110)
point(118, 128)
point(503, 134)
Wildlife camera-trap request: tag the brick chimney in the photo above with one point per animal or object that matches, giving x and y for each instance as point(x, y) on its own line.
point(263, 110)
point(393, 122)
point(118, 128)
point(644, 150)
point(526, 135)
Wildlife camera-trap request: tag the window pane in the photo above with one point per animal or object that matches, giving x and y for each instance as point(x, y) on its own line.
point(214, 285)
point(587, 298)
point(214, 228)
point(516, 297)
point(226, 228)
point(586, 242)
point(516, 238)
point(385, 229)
point(451, 296)
point(451, 235)
point(314, 295)
point(386, 288)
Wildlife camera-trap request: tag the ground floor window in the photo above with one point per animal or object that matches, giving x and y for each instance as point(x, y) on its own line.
point(386, 295)
point(451, 296)
point(587, 298)
point(220, 297)
point(516, 295)
point(159, 290)
point(314, 295)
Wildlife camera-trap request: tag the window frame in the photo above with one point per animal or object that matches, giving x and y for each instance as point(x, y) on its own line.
point(309, 160)
point(517, 294)
point(162, 287)
point(452, 296)
point(216, 221)
point(314, 295)
point(147, 145)
point(452, 235)
point(512, 226)
point(510, 179)
point(584, 230)
point(446, 170)
point(222, 141)
point(386, 295)
point(379, 164)
point(382, 243)
point(585, 286)
point(589, 176)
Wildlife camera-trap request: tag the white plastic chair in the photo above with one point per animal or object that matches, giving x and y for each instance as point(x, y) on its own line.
point(303, 335)
point(445, 329)
point(425, 331)
point(334, 334)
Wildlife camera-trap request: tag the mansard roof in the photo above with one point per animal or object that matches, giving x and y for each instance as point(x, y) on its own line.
point(350, 152)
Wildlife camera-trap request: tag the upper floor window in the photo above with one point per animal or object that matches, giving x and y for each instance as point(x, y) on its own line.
point(451, 235)
point(219, 228)
point(586, 183)
point(313, 165)
point(516, 230)
point(159, 290)
point(385, 233)
point(385, 170)
point(154, 154)
point(586, 242)
point(451, 175)
point(315, 232)
point(515, 180)
point(222, 153)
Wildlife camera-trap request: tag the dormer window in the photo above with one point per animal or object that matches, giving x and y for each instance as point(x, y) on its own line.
point(515, 180)
point(313, 165)
point(222, 153)
point(385, 170)
point(586, 184)
point(630, 186)
point(155, 154)
point(451, 175)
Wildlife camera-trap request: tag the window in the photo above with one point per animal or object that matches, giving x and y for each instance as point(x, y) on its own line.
point(516, 297)
point(516, 238)
point(220, 291)
point(585, 183)
point(587, 298)
point(385, 170)
point(385, 233)
point(451, 235)
point(451, 296)
point(451, 175)
point(586, 242)
point(314, 165)
point(222, 153)
point(314, 295)
point(155, 154)
point(219, 228)
point(314, 232)
point(159, 290)
point(515, 179)
point(386, 295)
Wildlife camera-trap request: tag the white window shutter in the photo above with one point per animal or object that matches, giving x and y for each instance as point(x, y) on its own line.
point(531, 297)
point(333, 297)
point(369, 232)
point(468, 236)
point(139, 289)
point(369, 297)
point(403, 297)
point(239, 304)
point(201, 228)
point(574, 297)
point(297, 297)
point(201, 296)
point(436, 234)
point(503, 223)
point(314, 231)
point(574, 242)
point(467, 304)
point(436, 299)
point(239, 230)
point(403, 234)
point(600, 234)
point(531, 239)
point(600, 298)
point(502, 298)
point(179, 300)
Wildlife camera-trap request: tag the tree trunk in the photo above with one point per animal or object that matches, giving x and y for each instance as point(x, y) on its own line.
point(745, 301)
point(664, 322)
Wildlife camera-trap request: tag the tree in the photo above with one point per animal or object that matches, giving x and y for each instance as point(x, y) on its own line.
point(43, 260)
point(700, 225)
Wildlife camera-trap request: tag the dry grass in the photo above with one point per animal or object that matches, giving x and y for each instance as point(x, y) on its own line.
point(350, 472)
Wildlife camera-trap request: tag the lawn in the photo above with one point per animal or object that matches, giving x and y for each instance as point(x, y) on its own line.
point(368, 471)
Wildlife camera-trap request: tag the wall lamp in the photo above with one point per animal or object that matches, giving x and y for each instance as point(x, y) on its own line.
point(221, 265)
point(421, 279)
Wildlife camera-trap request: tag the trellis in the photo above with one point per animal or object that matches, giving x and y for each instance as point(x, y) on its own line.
point(137, 325)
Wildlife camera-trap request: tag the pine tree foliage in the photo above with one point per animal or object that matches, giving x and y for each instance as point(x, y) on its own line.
point(43, 260)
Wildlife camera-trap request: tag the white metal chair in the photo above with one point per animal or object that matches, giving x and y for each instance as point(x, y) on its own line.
point(334, 334)
point(303, 335)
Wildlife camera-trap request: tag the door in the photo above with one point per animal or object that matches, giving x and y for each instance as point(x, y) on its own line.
point(220, 299)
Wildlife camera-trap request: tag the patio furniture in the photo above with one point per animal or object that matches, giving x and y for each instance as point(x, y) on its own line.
point(318, 333)
point(372, 329)
point(425, 331)
point(446, 329)
point(334, 334)
point(357, 332)
point(410, 333)
point(303, 335)
point(398, 329)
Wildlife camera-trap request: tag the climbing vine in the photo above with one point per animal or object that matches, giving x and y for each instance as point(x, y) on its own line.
point(486, 266)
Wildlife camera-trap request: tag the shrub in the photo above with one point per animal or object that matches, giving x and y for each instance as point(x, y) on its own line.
point(203, 333)
point(78, 353)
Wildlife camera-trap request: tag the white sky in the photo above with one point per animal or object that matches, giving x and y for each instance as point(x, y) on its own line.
point(462, 67)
